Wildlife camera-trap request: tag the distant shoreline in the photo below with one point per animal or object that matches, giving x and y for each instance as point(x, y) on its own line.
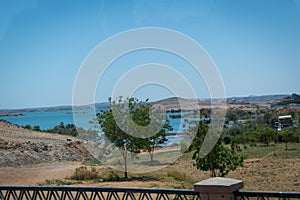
point(172, 104)
point(10, 114)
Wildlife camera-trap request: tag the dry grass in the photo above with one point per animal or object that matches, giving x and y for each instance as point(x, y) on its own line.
point(274, 170)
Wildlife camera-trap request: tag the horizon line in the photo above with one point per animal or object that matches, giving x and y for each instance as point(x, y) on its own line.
point(99, 102)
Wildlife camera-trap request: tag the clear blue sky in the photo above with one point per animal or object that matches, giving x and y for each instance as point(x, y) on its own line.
point(254, 43)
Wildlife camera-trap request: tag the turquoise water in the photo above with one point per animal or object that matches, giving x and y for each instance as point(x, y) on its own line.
point(47, 120)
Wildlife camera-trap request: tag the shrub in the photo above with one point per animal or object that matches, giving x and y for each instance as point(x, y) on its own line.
point(227, 139)
point(83, 173)
point(110, 176)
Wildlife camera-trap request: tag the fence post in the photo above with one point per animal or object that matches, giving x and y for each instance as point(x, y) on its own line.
point(218, 188)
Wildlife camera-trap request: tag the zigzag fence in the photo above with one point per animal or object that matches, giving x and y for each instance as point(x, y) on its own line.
point(93, 193)
point(210, 189)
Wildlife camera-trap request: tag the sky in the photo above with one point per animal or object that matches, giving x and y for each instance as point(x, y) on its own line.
point(255, 45)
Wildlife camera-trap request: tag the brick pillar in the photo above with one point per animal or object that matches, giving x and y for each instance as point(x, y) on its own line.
point(218, 188)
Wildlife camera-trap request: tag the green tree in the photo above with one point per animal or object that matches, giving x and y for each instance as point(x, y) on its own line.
point(140, 115)
point(70, 129)
point(265, 134)
point(287, 136)
point(61, 125)
point(120, 121)
point(220, 160)
point(28, 126)
point(36, 128)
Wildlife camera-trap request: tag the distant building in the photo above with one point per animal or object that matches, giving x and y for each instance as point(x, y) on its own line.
point(284, 121)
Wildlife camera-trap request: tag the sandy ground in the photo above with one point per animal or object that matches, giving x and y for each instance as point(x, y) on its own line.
point(257, 174)
point(32, 175)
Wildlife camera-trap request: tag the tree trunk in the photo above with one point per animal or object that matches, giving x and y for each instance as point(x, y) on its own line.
point(212, 169)
point(151, 153)
point(213, 173)
point(125, 168)
point(125, 162)
point(151, 156)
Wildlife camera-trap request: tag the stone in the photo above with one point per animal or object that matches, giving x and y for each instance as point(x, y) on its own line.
point(218, 188)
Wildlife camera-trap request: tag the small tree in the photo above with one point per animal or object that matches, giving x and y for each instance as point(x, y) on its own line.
point(118, 128)
point(149, 139)
point(36, 128)
point(28, 126)
point(287, 136)
point(220, 160)
point(70, 129)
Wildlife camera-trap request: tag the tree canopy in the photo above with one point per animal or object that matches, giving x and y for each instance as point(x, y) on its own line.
point(220, 160)
point(121, 125)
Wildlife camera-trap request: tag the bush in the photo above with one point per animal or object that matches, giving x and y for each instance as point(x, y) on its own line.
point(227, 139)
point(110, 175)
point(83, 173)
point(253, 144)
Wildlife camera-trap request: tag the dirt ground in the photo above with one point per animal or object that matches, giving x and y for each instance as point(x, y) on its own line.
point(33, 175)
point(258, 174)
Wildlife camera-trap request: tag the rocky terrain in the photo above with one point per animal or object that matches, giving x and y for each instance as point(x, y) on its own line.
point(22, 147)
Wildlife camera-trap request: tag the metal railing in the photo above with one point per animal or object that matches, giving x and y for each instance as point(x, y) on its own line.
point(93, 193)
point(115, 193)
point(262, 195)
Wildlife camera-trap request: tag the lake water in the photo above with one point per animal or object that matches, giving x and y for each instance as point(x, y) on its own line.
point(47, 120)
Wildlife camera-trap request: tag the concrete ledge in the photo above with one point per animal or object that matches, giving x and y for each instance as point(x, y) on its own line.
point(218, 188)
point(218, 184)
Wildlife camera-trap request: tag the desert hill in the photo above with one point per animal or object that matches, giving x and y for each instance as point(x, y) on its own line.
point(22, 147)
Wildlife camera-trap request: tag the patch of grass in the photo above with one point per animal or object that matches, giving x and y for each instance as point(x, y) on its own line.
point(176, 175)
point(162, 158)
point(115, 175)
point(58, 182)
point(91, 162)
point(273, 150)
point(111, 175)
point(185, 181)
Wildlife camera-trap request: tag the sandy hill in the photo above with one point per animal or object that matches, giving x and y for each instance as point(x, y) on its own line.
point(19, 147)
